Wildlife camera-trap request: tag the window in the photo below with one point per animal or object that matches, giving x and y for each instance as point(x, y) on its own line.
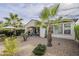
point(64, 28)
point(67, 28)
point(58, 29)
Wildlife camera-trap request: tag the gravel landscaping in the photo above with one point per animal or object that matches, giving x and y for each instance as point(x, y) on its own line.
point(61, 47)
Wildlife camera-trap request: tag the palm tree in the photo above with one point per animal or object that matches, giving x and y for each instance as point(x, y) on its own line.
point(45, 22)
point(8, 21)
point(1, 25)
point(13, 20)
point(19, 23)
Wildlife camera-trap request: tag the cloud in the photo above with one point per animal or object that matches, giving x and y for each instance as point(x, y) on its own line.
point(29, 11)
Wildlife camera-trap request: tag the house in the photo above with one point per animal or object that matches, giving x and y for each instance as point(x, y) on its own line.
point(63, 30)
point(31, 28)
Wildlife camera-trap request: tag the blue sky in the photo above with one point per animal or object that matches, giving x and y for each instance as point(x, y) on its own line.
point(30, 11)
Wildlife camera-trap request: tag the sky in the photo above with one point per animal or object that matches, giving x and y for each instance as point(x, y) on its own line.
point(28, 11)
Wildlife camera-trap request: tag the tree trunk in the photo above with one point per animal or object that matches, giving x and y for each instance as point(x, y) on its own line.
point(25, 38)
point(49, 37)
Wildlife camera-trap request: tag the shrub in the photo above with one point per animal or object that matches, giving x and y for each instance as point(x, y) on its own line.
point(76, 29)
point(7, 32)
point(10, 45)
point(2, 38)
point(19, 31)
point(39, 50)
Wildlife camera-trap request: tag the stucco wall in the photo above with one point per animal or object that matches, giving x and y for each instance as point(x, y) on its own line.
point(66, 36)
point(42, 30)
point(72, 36)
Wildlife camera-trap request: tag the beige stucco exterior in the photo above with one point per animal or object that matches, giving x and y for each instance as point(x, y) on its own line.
point(67, 36)
point(42, 30)
point(30, 24)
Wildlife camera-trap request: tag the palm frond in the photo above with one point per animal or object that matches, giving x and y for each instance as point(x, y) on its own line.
point(60, 20)
point(44, 14)
point(11, 16)
point(41, 24)
point(16, 15)
point(44, 25)
point(21, 19)
point(38, 24)
point(54, 9)
point(8, 19)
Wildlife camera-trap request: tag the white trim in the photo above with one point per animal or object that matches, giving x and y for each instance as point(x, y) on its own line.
point(63, 36)
point(67, 36)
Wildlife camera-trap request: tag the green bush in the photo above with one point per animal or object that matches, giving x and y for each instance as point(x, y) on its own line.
point(76, 29)
point(9, 32)
point(39, 50)
point(2, 38)
point(19, 32)
point(10, 45)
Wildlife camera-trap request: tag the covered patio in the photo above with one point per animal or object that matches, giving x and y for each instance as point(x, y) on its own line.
point(33, 31)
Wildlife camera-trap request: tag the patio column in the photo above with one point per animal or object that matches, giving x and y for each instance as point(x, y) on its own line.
point(42, 32)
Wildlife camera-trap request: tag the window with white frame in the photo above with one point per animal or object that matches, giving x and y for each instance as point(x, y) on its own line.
point(67, 28)
point(64, 28)
point(58, 29)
